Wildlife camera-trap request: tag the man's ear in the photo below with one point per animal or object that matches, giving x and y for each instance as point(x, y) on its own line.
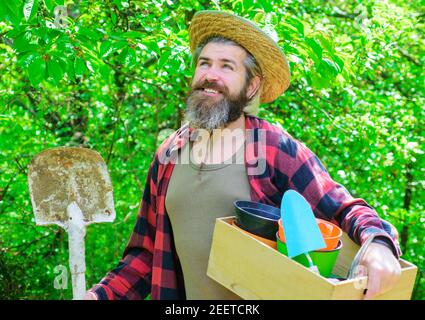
point(253, 87)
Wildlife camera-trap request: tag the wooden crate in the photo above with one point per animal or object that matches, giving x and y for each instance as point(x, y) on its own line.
point(253, 270)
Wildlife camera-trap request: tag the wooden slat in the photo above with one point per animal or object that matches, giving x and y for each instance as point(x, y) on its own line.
point(264, 273)
point(346, 255)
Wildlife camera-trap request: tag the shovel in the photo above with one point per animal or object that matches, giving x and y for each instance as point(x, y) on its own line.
point(301, 230)
point(71, 187)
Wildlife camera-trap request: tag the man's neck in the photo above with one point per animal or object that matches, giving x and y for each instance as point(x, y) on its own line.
point(234, 128)
point(220, 144)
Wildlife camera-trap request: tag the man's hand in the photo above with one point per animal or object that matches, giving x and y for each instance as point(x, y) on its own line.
point(383, 269)
point(90, 296)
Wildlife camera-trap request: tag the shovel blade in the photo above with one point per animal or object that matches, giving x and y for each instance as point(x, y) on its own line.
point(301, 230)
point(59, 176)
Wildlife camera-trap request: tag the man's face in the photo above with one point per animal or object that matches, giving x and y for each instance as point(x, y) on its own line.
point(223, 65)
point(219, 89)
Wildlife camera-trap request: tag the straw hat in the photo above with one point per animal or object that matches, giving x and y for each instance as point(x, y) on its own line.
point(269, 56)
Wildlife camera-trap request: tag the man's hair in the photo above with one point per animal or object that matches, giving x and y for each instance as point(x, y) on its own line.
point(251, 66)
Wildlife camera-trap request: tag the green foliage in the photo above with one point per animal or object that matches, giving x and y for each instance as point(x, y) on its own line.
point(113, 75)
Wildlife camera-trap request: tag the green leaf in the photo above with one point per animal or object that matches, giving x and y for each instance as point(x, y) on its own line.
point(89, 66)
point(333, 68)
point(63, 62)
point(105, 49)
point(288, 29)
point(37, 70)
point(80, 67)
point(338, 61)
point(259, 17)
point(315, 46)
point(105, 72)
point(22, 43)
point(54, 70)
point(90, 34)
point(30, 9)
point(237, 5)
point(294, 24)
point(13, 6)
point(319, 82)
point(121, 57)
point(64, 44)
point(45, 35)
point(118, 4)
point(3, 11)
point(13, 13)
point(119, 45)
point(134, 35)
point(50, 5)
point(130, 58)
point(164, 58)
point(113, 18)
point(248, 4)
point(24, 59)
point(69, 69)
point(266, 5)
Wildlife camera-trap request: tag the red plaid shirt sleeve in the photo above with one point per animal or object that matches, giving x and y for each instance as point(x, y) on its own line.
point(305, 173)
point(331, 200)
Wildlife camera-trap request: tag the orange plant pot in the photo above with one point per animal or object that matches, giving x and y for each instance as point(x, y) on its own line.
point(331, 233)
point(268, 242)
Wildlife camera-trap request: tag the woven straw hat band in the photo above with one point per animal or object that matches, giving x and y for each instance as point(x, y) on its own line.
point(275, 69)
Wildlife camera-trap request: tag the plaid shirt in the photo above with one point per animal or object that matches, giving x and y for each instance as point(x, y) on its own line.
point(275, 162)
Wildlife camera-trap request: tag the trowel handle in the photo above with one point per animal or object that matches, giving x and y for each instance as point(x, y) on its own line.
point(77, 260)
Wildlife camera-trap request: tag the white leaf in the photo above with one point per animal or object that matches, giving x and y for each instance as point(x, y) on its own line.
point(29, 8)
point(89, 66)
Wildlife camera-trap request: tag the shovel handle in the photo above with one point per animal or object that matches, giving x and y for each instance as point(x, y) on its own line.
point(77, 260)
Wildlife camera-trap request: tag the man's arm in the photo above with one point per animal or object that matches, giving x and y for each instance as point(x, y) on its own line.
point(330, 200)
point(131, 279)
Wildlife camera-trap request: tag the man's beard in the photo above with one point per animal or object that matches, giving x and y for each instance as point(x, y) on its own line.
point(205, 112)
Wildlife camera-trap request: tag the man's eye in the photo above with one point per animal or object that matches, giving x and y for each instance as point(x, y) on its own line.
point(227, 66)
point(203, 63)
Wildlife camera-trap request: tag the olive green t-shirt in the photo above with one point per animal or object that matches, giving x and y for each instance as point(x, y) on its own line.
point(198, 194)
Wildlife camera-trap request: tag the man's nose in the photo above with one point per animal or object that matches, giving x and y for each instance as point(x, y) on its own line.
point(212, 75)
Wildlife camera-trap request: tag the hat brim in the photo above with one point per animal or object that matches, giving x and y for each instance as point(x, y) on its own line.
point(269, 56)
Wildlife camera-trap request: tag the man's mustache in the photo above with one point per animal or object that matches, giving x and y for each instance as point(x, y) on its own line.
point(209, 85)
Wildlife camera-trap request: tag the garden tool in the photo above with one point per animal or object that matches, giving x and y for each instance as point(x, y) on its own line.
point(71, 187)
point(301, 230)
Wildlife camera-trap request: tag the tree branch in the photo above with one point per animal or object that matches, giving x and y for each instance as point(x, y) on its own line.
point(323, 111)
point(27, 244)
point(409, 57)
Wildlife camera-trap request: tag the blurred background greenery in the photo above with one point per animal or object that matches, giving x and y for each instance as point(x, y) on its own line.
point(112, 75)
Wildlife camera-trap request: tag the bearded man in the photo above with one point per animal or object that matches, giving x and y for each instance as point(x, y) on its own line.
point(225, 153)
